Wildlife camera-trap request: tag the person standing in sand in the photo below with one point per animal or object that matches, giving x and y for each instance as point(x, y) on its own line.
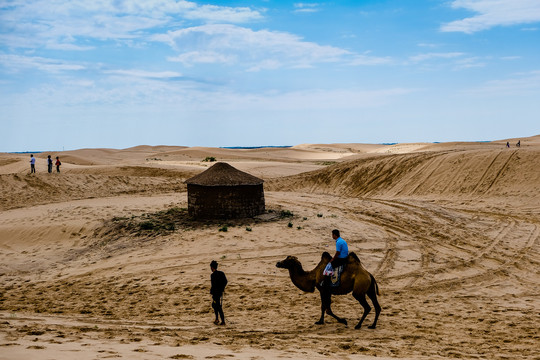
point(218, 281)
point(49, 164)
point(32, 164)
point(58, 163)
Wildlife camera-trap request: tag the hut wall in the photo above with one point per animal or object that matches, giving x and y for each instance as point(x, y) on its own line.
point(225, 202)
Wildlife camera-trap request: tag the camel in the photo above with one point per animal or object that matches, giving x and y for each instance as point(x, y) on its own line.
point(354, 278)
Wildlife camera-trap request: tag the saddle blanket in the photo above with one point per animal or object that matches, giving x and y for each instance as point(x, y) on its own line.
point(335, 274)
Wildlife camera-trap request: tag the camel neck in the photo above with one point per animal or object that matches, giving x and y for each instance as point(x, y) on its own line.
point(303, 280)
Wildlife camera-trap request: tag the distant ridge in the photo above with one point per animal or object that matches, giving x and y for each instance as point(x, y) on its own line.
point(254, 147)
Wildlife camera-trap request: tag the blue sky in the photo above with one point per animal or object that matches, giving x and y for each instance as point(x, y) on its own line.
point(120, 73)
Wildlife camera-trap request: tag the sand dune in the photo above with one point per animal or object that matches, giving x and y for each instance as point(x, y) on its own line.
point(448, 174)
point(451, 232)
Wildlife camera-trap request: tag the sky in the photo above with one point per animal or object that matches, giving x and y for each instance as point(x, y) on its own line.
point(119, 73)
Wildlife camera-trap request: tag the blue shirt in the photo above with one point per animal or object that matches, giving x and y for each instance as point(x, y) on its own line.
point(342, 247)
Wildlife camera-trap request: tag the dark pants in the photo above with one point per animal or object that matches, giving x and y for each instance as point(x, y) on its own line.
point(32, 168)
point(57, 168)
point(50, 168)
point(216, 305)
point(338, 262)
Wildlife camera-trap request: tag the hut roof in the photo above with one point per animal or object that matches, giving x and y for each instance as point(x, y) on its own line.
point(223, 174)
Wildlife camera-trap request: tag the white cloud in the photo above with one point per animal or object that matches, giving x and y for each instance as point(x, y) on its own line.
point(519, 84)
point(146, 74)
point(468, 63)
point(203, 57)
point(306, 7)
point(229, 44)
point(491, 13)
point(430, 56)
point(129, 92)
point(427, 45)
point(15, 63)
point(60, 23)
point(369, 60)
point(457, 60)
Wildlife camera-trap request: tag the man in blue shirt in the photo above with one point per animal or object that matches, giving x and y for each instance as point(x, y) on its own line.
point(342, 250)
point(340, 258)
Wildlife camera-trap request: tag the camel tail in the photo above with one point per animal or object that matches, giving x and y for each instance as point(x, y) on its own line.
point(374, 283)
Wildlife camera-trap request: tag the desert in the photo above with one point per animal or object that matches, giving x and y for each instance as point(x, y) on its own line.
point(451, 232)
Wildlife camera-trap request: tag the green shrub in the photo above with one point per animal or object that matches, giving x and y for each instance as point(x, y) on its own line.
point(286, 213)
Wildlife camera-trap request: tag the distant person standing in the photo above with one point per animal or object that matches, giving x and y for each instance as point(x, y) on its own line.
point(518, 143)
point(508, 144)
point(58, 163)
point(32, 164)
point(219, 281)
point(49, 164)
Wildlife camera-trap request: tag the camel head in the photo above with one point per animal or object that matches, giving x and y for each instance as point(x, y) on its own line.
point(288, 263)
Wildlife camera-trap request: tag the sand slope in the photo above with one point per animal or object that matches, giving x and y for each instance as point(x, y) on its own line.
point(102, 261)
point(446, 174)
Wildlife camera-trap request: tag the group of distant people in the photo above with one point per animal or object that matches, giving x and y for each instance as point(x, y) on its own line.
point(49, 164)
point(518, 144)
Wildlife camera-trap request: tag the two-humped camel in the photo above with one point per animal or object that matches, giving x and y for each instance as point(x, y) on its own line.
point(354, 278)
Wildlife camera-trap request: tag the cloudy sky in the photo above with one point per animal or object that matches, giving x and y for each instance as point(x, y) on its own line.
point(120, 73)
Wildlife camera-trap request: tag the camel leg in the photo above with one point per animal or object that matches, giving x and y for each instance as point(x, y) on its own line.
point(340, 320)
point(372, 294)
point(326, 300)
point(362, 300)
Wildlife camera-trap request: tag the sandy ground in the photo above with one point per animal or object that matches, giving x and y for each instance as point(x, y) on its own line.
point(450, 231)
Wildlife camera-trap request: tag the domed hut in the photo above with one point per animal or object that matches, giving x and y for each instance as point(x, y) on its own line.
point(223, 192)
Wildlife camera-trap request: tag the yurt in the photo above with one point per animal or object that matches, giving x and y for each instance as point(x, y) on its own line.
point(223, 192)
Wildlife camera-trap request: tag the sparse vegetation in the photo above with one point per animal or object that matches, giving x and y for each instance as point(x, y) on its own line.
point(290, 224)
point(248, 228)
point(286, 213)
point(209, 159)
point(149, 224)
point(319, 215)
point(224, 228)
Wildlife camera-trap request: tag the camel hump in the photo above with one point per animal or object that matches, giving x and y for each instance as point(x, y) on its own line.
point(326, 255)
point(353, 257)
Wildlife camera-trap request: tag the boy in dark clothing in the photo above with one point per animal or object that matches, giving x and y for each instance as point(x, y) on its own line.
point(49, 164)
point(219, 281)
